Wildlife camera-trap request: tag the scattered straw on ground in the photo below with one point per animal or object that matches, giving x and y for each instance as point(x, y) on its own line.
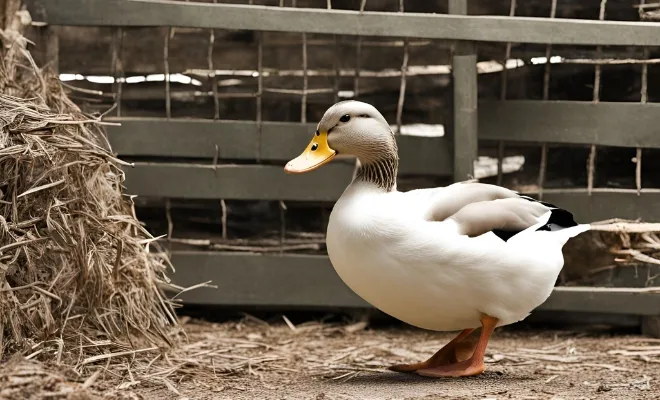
point(251, 359)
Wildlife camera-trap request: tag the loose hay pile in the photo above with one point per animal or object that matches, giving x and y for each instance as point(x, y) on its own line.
point(281, 359)
point(76, 278)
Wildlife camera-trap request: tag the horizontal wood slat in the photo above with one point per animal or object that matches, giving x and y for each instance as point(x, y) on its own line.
point(238, 182)
point(412, 25)
point(239, 140)
point(571, 122)
point(266, 182)
point(605, 300)
point(245, 279)
point(560, 122)
point(605, 205)
point(310, 281)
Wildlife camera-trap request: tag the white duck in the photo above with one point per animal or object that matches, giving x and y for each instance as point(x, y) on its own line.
point(443, 259)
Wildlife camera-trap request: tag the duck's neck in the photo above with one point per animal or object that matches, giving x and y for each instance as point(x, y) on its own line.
point(380, 172)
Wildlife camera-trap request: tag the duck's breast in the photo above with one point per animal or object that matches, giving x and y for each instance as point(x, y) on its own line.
point(384, 257)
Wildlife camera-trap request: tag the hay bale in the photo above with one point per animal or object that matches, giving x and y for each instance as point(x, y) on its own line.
point(76, 277)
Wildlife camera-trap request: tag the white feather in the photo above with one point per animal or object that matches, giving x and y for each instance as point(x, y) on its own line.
point(426, 274)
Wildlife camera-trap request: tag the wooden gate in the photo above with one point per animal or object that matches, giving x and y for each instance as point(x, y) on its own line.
point(220, 159)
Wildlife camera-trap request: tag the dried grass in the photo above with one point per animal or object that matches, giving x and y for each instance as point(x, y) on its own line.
point(252, 359)
point(77, 282)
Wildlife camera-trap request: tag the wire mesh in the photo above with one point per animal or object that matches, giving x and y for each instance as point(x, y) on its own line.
point(591, 165)
point(503, 91)
point(546, 94)
point(166, 62)
point(385, 71)
point(116, 68)
point(643, 98)
point(402, 88)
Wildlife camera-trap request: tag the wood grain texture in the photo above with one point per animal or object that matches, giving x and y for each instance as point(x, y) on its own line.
point(574, 122)
point(412, 25)
point(465, 126)
point(237, 182)
point(605, 205)
point(267, 182)
point(238, 140)
point(310, 281)
point(266, 280)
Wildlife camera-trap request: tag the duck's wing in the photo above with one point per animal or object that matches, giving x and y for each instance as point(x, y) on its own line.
point(447, 201)
point(478, 208)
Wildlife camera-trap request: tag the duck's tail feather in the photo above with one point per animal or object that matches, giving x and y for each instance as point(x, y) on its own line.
point(556, 221)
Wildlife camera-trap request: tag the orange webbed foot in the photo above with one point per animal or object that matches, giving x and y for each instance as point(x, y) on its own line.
point(463, 368)
point(474, 365)
point(457, 350)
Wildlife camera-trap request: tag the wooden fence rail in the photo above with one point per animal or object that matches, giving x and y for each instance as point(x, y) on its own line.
point(412, 25)
point(240, 140)
point(559, 122)
point(610, 124)
point(310, 281)
point(266, 182)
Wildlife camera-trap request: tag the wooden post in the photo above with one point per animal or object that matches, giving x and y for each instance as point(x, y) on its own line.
point(651, 326)
point(50, 41)
point(15, 22)
point(8, 9)
point(464, 73)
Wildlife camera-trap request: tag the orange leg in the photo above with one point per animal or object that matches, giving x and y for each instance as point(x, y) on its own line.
point(472, 366)
point(446, 355)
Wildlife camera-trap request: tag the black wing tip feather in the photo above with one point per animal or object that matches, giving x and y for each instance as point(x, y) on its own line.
point(558, 217)
point(504, 235)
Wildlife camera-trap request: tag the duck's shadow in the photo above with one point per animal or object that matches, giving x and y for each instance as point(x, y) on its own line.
point(395, 378)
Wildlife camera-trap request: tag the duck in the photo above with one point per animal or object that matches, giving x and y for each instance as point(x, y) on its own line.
point(467, 257)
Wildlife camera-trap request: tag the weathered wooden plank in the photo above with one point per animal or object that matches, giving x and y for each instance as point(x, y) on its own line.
point(238, 182)
point(186, 138)
point(604, 300)
point(412, 25)
point(606, 124)
point(266, 280)
point(266, 182)
point(605, 205)
point(86, 51)
point(465, 88)
point(238, 140)
point(651, 326)
point(465, 124)
point(561, 122)
point(310, 281)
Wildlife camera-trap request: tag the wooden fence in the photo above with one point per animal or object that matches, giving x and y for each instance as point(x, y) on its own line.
point(308, 280)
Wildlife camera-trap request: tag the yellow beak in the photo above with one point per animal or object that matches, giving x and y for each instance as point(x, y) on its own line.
point(317, 153)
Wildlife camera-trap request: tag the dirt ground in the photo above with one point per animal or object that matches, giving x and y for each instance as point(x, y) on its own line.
point(347, 361)
point(254, 360)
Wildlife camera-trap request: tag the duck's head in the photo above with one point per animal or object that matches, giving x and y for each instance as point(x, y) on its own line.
point(351, 128)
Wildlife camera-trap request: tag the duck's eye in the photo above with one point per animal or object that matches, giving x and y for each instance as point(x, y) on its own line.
point(315, 146)
point(364, 116)
point(345, 118)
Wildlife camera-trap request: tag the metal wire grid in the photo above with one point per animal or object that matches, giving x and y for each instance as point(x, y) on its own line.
point(118, 75)
point(117, 72)
point(597, 62)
